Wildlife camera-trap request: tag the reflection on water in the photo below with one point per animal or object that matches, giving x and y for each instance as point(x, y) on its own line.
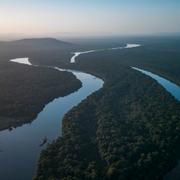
point(20, 148)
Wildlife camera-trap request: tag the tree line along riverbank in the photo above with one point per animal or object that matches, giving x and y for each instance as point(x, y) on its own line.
point(133, 130)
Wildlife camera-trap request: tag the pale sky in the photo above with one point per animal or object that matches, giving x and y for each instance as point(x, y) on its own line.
point(89, 17)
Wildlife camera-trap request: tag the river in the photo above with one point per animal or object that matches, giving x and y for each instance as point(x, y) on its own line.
point(20, 148)
point(169, 86)
point(174, 90)
point(128, 46)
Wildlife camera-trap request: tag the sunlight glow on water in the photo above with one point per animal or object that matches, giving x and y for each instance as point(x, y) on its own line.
point(76, 54)
point(22, 61)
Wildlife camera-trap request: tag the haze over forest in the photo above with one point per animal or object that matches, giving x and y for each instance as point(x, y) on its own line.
point(90, 89)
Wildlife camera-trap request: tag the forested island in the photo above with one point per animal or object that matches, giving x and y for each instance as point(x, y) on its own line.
point(25, 90)
point(130, 128)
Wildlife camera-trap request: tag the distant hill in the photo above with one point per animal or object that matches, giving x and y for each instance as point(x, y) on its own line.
point(42, 42)
point(36, 44)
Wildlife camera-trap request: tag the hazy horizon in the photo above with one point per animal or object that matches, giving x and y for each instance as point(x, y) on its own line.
point(88, 18)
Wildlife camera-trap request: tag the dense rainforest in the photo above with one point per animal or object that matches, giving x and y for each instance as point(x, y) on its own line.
point(127, 130)
point(25, 89)
point(130, 129)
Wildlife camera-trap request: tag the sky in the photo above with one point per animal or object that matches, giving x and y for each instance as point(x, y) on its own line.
point(89, 17)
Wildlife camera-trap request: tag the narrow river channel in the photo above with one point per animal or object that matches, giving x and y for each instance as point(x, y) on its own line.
point(20, 148)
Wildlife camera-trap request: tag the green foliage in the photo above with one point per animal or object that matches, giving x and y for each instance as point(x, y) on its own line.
point(130, 128)
point(25, 90)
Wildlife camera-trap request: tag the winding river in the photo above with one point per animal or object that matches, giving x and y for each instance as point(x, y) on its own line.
point(76, 54)
point(20, 148)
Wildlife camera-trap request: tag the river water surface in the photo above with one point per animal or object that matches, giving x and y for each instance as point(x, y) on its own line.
point(171, 87)
point(20, 148)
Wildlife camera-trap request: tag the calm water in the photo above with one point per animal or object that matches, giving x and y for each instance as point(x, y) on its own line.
point(174, 90)
point(20, 147)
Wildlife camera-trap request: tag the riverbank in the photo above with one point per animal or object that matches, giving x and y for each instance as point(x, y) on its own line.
point(25, 90)
point(47, 125)
point(130, 132)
